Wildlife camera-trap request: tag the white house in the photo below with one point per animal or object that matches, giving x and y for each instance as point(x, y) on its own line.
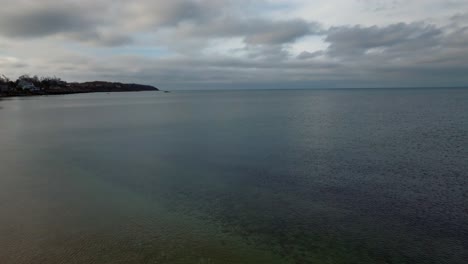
point(25, 85)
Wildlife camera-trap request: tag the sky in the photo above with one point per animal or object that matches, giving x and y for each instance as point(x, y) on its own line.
point(244, 44)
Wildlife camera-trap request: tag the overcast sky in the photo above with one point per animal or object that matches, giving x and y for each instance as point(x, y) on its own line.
point(196, 44)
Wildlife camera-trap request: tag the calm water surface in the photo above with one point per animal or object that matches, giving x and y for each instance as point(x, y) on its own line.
point(341, 176)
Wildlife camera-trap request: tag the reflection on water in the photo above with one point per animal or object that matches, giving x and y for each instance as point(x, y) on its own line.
point(359, 176)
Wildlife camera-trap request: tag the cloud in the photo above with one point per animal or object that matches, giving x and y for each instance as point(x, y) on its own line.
point(308, 55)
point(11, 62)
point(358, 40)
point(36, 20)
point(254, 30)
point(155, 14)
point(68, 20)
point(199, 43)
point(100, 24)
point(460, 19)
point(101, 38)
point(280, 32)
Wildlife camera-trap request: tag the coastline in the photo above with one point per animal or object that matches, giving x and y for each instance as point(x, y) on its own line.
point(10, 95)
point(64, 88)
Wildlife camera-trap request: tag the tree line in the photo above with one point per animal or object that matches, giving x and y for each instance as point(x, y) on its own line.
point(40, 82)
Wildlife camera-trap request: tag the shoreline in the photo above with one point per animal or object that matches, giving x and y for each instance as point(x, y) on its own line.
point(33, 87)
point(68, 93)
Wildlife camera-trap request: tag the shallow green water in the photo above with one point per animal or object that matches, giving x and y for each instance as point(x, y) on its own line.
point(342, 176)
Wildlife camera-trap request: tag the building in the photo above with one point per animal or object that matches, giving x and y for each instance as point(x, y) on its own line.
point(28, 86)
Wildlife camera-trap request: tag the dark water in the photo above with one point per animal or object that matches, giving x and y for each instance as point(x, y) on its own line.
point(342, 176)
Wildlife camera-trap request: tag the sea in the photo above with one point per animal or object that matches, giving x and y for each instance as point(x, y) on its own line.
point(348, 176)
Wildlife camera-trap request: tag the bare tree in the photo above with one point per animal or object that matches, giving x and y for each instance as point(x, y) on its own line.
point(51, 81)
point(4, 79)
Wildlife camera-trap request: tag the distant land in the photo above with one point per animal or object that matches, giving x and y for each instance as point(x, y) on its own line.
point(26, 85)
